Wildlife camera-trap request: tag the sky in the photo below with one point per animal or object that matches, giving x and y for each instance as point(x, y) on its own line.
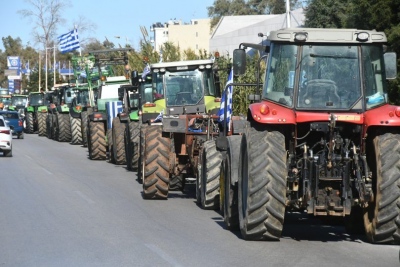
point(112, 18)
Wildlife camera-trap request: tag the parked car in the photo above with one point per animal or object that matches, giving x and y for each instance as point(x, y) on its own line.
point(5, 137)
point(13, 118)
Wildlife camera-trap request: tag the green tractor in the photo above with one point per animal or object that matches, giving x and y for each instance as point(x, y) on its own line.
point(85, 92)
point(58, 121)
point(139, 107)
point(36, 113)
point(99, 124)
point(80, 107)
point(18, 102)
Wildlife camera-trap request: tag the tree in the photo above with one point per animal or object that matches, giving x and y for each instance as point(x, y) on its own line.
point(326, 14)
point(46, 16)
point(381, 15)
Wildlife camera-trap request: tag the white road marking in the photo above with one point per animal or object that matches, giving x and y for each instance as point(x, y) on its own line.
point(163, 255)
point(82, 195)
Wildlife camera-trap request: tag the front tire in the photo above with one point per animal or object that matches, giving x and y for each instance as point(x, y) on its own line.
point(42, 123)
point(29, 123)
point(262, 184)
point(229, 173)
point(63, 127)
point(132, 147)
point(118, 142)
point(382, 217)
point(97, 140)
point(84, 123)
point(76, 130)
point(140, 172)
point(156, 164)
point(211, 165)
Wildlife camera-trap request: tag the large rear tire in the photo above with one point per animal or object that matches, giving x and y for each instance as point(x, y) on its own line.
point(29, 123)
point(118, 141)
point(76, 130)
point(382, 217)
point(211, 166)
point(229, 181)
point(156, 164)
point(41, 117)
point(97, 141)
point(262, 184)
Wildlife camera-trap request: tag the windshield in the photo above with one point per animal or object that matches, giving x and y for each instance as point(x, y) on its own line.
point(5, 100)
point(18, 100)
point(82, 98)
point(182, 87)
point(69, 94)
point(36, 99)
point(327, 76)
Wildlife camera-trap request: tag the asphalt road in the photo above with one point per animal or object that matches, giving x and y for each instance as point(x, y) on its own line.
point(58, 208)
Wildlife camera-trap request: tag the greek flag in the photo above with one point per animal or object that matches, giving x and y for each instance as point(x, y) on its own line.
point(69, 42)
point(227, 95)
point(146, 71)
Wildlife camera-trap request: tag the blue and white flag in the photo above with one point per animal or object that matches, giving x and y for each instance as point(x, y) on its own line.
point(227, 96)
point(69, 42)
point(112, 109)
point(146, 71)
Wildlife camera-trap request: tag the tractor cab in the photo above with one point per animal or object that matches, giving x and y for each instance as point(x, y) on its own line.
point(188, 86)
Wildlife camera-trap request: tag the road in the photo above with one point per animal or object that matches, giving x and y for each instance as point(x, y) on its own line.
point(58, 208)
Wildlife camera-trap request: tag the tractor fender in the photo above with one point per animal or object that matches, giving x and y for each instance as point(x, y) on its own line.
point(270, 113)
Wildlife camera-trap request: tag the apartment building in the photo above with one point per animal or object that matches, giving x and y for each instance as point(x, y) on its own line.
point(194, 35)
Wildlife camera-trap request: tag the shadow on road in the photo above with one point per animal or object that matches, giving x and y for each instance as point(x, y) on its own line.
point(301, 227)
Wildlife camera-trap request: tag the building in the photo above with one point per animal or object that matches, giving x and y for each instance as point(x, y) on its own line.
point(231, 31)
point(194, 35)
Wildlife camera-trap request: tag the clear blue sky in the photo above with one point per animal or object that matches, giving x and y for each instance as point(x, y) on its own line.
point(111, 17)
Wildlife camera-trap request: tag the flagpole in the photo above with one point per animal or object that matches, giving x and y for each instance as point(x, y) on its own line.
point(39, 72)
point(54, 65)
point(45, 65)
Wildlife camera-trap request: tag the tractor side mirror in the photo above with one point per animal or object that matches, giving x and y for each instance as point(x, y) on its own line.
point(239, 62)
point(121, 91)
point(390, 65)
point(135, 77)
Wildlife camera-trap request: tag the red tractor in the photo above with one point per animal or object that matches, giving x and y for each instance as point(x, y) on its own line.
point(322, 137)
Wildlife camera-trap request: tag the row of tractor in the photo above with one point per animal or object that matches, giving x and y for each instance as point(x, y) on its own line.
point(319, 136)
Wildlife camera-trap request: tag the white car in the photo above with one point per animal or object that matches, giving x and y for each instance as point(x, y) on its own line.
point(5, 138)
